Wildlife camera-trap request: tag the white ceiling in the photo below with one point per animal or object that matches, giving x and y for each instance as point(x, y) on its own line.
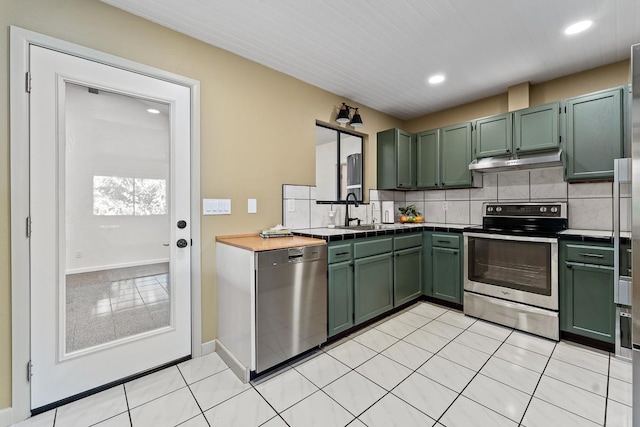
point(379, 53)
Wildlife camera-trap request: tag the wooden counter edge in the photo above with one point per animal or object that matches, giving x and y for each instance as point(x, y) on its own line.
point(254, 242)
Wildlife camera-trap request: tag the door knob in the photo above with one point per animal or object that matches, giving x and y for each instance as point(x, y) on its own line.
point(182, 243)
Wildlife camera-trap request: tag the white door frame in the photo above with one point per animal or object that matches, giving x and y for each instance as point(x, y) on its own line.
point(20, 259)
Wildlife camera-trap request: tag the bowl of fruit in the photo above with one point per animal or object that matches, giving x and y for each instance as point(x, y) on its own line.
point(410, 214)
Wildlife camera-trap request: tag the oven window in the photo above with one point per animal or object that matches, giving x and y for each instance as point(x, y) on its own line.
point(525, 266)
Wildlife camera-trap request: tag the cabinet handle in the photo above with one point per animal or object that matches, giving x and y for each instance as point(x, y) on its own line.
point(569, 266)
point(342, 253)
point(517, 148)
point(442, 241)
point(591, 255)
point(508, 151)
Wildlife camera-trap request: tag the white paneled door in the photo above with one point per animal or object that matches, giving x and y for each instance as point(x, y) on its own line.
point(110, 238)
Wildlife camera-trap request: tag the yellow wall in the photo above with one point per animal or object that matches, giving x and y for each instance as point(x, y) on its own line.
point(600, 78)
point(257, 128)
point(251, 117)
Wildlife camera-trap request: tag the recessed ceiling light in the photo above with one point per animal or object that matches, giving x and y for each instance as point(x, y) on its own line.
point(153, 111)
point(438, 78)
point(578, 27)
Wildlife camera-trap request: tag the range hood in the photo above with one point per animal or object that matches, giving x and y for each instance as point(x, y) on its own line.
point(526, 161)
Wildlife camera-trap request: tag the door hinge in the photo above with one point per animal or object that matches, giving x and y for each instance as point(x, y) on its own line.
point(27, 83)
point(28, 226)
point(29, 371)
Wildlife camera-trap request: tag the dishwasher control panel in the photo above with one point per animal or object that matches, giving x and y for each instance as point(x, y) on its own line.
point(290, 255)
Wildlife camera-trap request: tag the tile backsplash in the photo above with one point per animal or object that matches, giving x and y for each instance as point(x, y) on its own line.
point(590, 204)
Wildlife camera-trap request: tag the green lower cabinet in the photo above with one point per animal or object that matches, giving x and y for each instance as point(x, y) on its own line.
point(446, 274)
point(443, 266)
point(373, 286)
point(586, 298)
point(407, 284)
point(340, 297)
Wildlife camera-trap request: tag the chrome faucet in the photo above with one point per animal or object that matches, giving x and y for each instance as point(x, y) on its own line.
point(347, 219)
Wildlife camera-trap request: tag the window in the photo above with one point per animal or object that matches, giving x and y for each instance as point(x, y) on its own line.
point(116, 195)
point(339, 164)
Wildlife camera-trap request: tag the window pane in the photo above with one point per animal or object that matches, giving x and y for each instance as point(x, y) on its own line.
point(112, 195)
point(151, 197)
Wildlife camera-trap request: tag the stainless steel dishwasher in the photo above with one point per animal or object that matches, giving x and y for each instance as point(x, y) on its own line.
point(291, 303)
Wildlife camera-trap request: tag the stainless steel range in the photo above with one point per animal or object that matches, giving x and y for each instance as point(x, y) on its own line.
point(511, 266)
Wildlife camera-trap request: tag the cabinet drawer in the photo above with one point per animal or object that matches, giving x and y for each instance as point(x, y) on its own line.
point(407, 241)
point(445, 241)
point(597, 255)
point(368, 247)
point(339, 253)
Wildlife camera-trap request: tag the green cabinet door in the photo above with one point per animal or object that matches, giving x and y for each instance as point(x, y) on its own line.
point(407, 283)
point(395, 160)
point(586, 300)
point(446, 274)
point(405, 157)
point(455, 146)
point(373, 286)
point(493, 136)
point(595, 136)
point(340, 297)
point(428, 159)
point(537, 128)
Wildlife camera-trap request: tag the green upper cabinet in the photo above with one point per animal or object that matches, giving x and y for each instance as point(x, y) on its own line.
point(396, 161)
point(493, 136)
point(428, 159)
point(537, 128)
point(455, 149)
point(595, 134)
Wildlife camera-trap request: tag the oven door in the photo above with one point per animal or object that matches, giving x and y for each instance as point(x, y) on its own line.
point(514, 268)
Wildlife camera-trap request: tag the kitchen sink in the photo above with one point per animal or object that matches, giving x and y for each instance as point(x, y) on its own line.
point(363, 227)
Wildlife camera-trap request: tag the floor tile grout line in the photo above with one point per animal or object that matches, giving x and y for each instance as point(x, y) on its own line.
point(126, 398)
point(194, 396)
point(278, 414)
point(553, 404)
point(471, 380)
point(606, 398)
point(533, 392)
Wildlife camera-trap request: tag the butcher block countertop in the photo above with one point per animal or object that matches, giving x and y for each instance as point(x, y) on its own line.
point(254, 242)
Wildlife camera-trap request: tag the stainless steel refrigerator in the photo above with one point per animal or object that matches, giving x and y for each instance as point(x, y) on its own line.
point(635, 194)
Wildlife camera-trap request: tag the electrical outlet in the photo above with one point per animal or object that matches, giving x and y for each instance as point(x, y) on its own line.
point(79, 254)
point(291, 205)
point(445, 206)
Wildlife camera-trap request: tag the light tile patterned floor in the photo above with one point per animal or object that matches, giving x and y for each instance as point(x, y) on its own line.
point(426, 366)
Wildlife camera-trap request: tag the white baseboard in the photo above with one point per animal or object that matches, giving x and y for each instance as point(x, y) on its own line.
point(208, 347)
point(114, 266)
point(232, 362)
point(6, 417)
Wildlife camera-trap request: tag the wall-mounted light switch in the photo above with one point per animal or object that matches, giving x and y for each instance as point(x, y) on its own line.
point(216, 206)
point(291, 205)
point(252, 206)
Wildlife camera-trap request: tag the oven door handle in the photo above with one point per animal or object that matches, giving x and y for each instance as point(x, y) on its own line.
point(511, 237)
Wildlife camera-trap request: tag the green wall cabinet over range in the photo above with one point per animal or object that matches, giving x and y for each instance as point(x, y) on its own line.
point(520, 132)
point(586, 290)
point(407, 268)
point(595, 134)
point(443, 261)
point(340, 288)
point(493, 136)
point(396, 160)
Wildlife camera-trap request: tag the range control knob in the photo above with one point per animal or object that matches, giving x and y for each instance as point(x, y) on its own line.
point(543, 209)
point(489, 208)
point(554, 209)
point(499, 209)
